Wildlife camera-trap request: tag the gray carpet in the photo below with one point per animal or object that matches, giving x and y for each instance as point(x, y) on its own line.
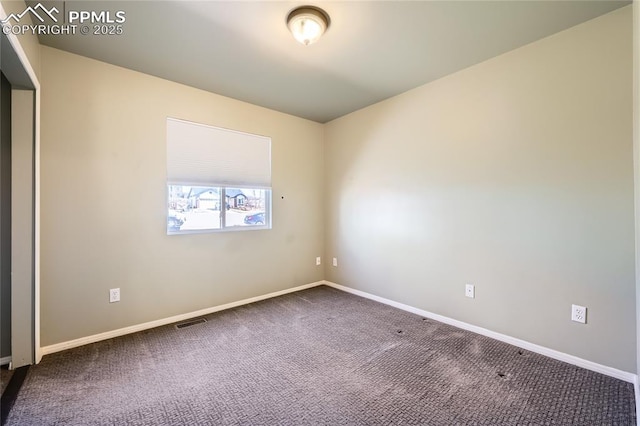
point(316, 357)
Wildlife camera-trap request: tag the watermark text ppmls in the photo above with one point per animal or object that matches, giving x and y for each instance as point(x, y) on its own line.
point(59, 19)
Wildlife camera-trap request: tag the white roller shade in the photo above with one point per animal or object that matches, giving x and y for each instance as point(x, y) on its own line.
point(204, 155)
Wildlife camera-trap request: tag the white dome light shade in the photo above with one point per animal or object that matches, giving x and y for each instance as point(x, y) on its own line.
point(307, 24)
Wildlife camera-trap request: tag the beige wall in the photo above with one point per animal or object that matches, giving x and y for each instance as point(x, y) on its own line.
point(515, 175)
point(104, 202)
point(636, 157)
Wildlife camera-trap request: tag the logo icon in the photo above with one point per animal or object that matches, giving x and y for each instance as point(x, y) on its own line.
point(34, 12)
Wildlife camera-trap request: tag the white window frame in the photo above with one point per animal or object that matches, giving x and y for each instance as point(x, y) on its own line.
point(186, 140)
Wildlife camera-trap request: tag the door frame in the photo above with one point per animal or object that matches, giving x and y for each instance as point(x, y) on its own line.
point(23, 61)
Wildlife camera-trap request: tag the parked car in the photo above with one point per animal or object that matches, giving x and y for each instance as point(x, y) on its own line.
point(254, 219)
point(175, 220)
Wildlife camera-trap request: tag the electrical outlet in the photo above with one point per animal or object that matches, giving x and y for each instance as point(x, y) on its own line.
point(318, 261)
point(470, 291)
point(335, 261)
point(579, 314)
point(114, 295)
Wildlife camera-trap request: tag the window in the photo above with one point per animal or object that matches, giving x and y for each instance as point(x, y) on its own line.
point(217, 179)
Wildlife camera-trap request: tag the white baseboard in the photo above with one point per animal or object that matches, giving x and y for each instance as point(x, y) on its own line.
point(551, 353)
point(157, 323)
point(5, 360)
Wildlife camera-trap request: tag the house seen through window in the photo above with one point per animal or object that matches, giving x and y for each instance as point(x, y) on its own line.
point(193, 208)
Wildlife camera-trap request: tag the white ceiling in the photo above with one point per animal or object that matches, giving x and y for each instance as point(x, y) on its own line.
point(373, 49)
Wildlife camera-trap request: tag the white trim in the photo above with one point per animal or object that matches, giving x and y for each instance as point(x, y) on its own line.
point(17, 47)
point(36, 231)
point(551, 353)
point(636, 179)
point(46, 350)
point(5, 360)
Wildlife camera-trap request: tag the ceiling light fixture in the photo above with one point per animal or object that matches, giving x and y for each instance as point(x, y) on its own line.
point(308, 23)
